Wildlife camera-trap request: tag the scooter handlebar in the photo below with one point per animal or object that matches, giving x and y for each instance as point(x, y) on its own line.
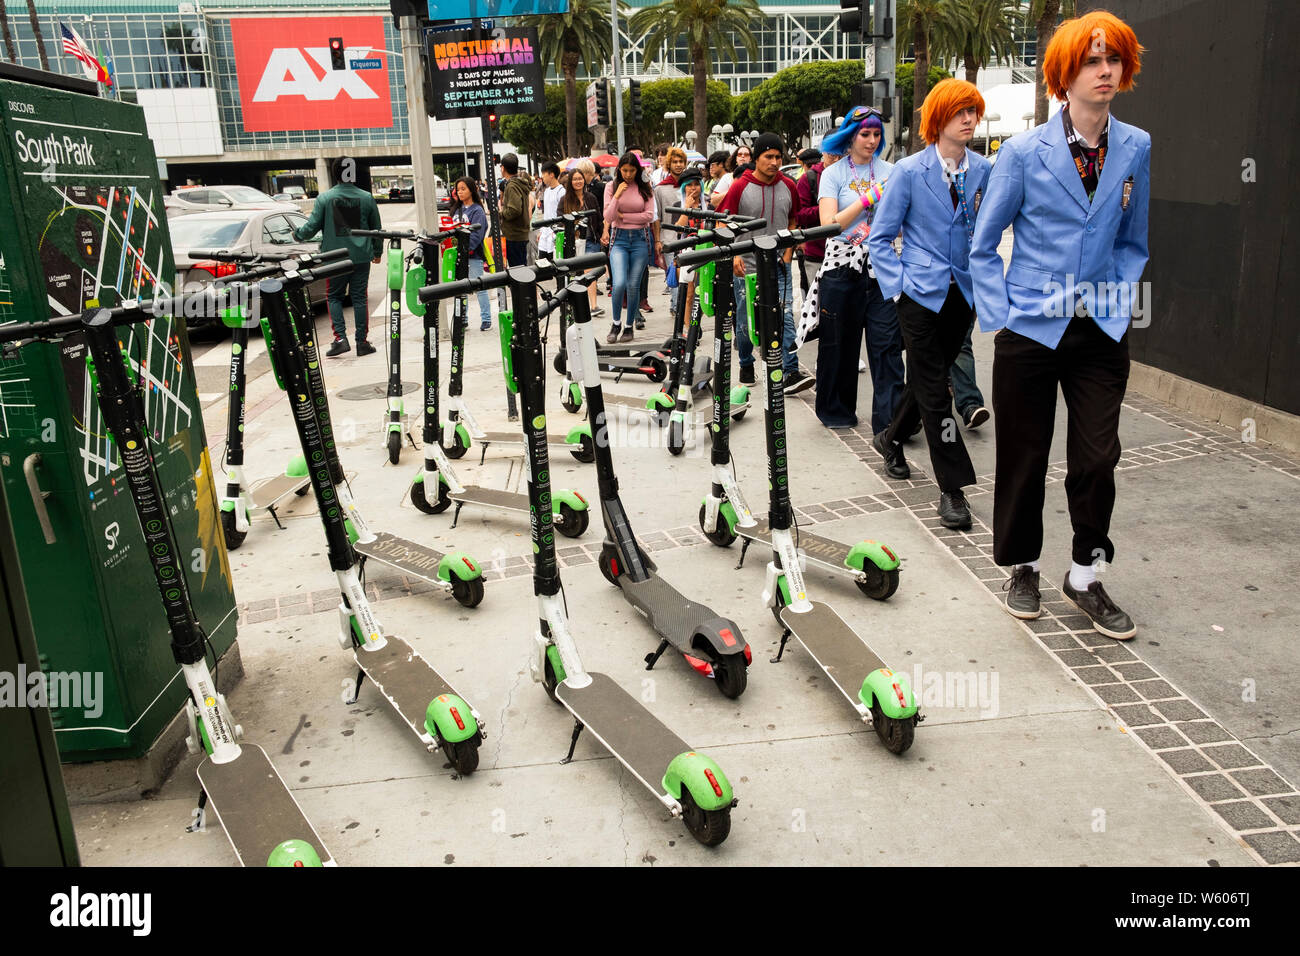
point(566, 217)
point(722, 235)
point(326, 270)
point(577, 286)
point(589, 260)
point(782, 240)
point(702, 213)
point(384, 233)
point(223, 255)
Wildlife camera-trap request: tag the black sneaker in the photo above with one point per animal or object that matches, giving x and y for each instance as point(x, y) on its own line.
point(796, 381)
point(953, 510)
point(640, 325)
point(976, 416)
point(364, 347)
point(1023, 595)
point(1107, 619)
point(338, 347)
point(895, 463)
point(746, 375)
point(597, 312)
point(626, 336)
point(613, 334)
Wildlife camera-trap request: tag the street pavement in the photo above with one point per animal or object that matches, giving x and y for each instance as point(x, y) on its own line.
point(1044, 743)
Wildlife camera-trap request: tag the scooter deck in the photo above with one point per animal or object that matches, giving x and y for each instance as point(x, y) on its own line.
point(255, 808)
point(269, 492)
point(836, 647)
point(670, 613)
point(517, 438)
point(492, 498)
point(624, 727)
point(396, 670)
point(819, 550)
point(404, 555)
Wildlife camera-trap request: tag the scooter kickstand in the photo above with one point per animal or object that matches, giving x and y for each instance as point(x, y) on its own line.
point(577, 729)
point(785, 636)
point(456, 515)
point(652, 659)
point(200, 814)
point(356, 688)
point(274, 517)
point(744, 546)
point(483, 454)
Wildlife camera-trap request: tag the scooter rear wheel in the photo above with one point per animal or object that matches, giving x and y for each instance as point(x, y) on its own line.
point(467, 593)
point(657, 364)
point(731, 676)
point(234, 537)
point(572, 523)
point(462, 755)
point(394, 447)
point(879, 584)
point(587, 452)
point(895, 733)
point(710, 827)
point(607, 562)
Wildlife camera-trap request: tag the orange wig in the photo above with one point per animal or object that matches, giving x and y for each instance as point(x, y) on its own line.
point(1084, 36)
point(948, 98)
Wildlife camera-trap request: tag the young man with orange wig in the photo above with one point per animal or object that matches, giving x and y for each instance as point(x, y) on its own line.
point(1075, 192)
point(932, 197)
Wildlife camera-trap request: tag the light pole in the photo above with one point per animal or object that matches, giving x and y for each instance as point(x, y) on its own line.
point(675, 115)
point(1028, 118)
point(689, 139)
point(748, 136)
point(989, 118)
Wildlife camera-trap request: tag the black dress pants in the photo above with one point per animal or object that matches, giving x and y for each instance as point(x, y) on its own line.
point(1092, 371)
point(932, 341)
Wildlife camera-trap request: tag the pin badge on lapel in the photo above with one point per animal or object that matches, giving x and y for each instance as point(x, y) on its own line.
point(1128, 191)
point(979, 195)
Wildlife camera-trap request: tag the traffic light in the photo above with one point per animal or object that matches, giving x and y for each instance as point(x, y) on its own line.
point(602, 102)
point(851, 19)
point(493, 124)
point(336, 54)
point(634, 92)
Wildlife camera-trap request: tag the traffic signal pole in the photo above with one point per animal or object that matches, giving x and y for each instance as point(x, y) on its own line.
point(617, 91)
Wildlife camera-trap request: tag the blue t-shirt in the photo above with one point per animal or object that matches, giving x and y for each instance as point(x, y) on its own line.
point(845, 182)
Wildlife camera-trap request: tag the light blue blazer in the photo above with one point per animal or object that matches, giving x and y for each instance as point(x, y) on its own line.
point(936, 249)
point(1066, 249)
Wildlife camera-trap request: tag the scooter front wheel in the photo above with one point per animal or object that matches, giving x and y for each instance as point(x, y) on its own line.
point(572, 523)
point(394, 447)
point(568, 404)
point(587, 452)
point(549, 683)
point(234, 537)
point(894, 732)
point(467, 593)
point(458, 447)
point(462, 755)
point(722, 535)
point(710, 827)
point(420, 498)
point(879, 584)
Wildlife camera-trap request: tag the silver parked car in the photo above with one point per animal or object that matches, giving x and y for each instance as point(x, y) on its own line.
point(191, 199)
point(264, 232)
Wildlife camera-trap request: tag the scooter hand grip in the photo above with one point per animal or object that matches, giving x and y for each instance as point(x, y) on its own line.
point(327, 270)
point(697, 213)
point(749, 225)
point(553, 303)
point(331, 256)
point(223, 255)
point(817, 232)
point(449, 290)
point(383, 233)
point(587, 260)
point(247, 275)
point(688, 242)
point(716, 254)
point(540, 223)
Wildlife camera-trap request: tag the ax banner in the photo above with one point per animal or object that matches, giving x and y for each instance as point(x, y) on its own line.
point(497, 73)
point(285, 79)
point(469, 9)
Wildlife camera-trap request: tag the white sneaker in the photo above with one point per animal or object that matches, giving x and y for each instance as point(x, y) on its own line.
point(862, 366)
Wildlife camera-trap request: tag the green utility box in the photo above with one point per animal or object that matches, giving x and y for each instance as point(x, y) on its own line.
point(87, 228)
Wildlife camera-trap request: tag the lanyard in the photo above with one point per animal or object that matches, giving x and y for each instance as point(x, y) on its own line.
point(1082, 163)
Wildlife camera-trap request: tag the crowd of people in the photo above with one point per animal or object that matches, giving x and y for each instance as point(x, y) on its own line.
point(915, 261)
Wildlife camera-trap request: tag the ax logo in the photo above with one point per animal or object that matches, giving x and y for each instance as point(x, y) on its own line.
point(286, 81)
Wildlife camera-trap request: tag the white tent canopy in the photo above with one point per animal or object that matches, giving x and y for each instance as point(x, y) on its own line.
point(1010, 102)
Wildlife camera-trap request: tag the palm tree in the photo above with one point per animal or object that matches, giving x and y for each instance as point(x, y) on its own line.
point(707, 26)
point(987, 36)
point(36, 32)
point(1044, 15)
point(937, 24)
point(10, 52)
point(564, 39)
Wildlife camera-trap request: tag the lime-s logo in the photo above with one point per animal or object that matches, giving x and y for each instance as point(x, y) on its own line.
point(111, 533)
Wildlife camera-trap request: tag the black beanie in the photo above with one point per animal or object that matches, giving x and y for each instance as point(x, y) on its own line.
point(768, 141)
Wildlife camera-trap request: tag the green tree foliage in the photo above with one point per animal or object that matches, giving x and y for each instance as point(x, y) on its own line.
point(903, 80)
point(934, 28)
point(1044, 16)
point(542, 135)
point(985, 35)
point(665, 96)
point(782, 102)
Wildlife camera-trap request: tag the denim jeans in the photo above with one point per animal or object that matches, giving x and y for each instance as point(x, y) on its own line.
point(744, 345)
point(852, 308)
point(476, 267)
point(340, 289)
point(629, 255)
point(966, 393)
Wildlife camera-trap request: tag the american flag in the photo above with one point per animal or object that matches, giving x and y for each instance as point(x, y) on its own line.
point(75, 46)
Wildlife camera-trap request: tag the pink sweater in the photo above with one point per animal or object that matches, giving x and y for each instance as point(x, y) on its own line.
point(631, 211)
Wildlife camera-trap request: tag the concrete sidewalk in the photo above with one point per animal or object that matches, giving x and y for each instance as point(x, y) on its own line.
point(1044, 743)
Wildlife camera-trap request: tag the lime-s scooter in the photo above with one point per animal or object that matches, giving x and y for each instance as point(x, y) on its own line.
point(688, 783)
point(259, 814)
point(880, 696)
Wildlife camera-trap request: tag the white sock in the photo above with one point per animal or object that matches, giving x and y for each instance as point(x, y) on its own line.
point(1081, 575)
point(1033, 566)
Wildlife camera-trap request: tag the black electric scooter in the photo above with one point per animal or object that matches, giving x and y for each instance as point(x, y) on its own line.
point(880, 696)
point(261, 818)
point(686, 782)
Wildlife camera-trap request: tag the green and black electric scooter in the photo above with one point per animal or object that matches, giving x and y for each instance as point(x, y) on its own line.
point(258, 812)
point(689, 784)
point(421, 696)
point(241, 500)
point(882, 697)
point(462, 429)
point(571, 515)
point(396, 421)
point(566, 243)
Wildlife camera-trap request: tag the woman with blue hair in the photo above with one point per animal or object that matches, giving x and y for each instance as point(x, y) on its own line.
point(845, 303)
